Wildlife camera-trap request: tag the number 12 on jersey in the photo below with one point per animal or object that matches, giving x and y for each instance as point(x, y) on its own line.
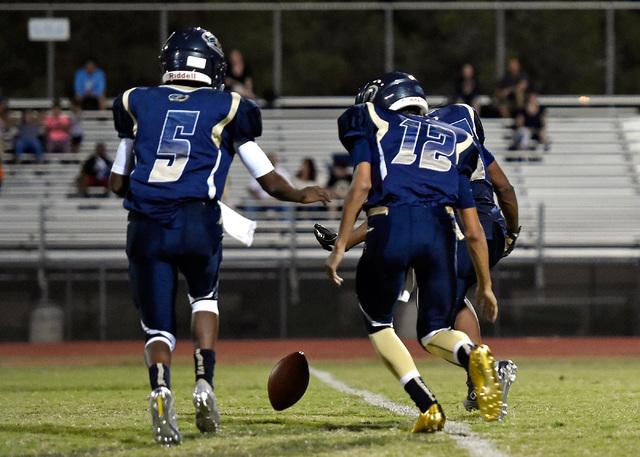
point(438, 146)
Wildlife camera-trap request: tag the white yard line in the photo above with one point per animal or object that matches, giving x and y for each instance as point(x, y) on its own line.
point(461, 433)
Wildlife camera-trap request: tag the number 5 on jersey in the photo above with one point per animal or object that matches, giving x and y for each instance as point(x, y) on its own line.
point(174, 150)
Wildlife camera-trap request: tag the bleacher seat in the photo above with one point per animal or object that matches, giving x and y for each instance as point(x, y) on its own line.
point(588, 183)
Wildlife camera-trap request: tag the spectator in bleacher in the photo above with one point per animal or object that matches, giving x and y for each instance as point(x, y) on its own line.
point(28, 138)
point(340, 176)
point(57, 127)
point(238, 78)
point(95, 171)
point(77, 129)
point(308, 174)
point(510, 93)
point(89, 86)
point(467, 88)
point(531, 126)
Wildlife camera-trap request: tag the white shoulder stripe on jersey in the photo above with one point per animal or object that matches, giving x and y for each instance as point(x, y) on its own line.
point(383, 126)
point(472, 115)
point(125, 103)
point(216, 132)
point(463, 146)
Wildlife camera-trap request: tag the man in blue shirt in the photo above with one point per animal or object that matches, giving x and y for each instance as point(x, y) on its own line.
point(177, 143)
point(89, 86)
point(410, 174)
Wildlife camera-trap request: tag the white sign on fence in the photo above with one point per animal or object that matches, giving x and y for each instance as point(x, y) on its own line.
point(49, 29)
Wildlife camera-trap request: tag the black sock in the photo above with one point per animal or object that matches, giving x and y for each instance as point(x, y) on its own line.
point(463, 355)
point(205, 361)
point(420, 394)
point(470, 387)
point(160, 376)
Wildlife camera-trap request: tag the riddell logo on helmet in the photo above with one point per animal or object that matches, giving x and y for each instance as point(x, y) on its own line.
point(183, 75)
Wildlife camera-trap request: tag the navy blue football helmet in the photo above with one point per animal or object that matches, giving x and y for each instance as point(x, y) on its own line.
point(193, 54)
point(394, 91)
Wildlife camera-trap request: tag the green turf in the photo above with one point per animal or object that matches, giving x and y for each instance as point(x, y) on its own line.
point(569, 408)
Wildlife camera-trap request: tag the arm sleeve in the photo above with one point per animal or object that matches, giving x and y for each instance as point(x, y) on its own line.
point(465, 197)
point(247, 123)
point(489, 158)
point(254, 158)
point(122, 120)
point(125, 160)
point(353, 130)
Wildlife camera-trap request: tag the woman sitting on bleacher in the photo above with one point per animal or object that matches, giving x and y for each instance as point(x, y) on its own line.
point(57, 127)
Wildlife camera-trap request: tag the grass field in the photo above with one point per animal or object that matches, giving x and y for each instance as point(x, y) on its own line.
point(571, 407)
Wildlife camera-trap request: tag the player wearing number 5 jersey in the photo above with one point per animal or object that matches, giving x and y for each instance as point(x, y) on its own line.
point(410, 174)
point(177, 144)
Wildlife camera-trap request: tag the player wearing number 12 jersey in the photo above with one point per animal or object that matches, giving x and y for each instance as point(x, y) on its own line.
point(177, 143)
point(410, 174)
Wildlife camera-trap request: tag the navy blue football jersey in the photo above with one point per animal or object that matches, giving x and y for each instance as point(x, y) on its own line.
point(183, 143)
point(466, 118)
point(414, 160)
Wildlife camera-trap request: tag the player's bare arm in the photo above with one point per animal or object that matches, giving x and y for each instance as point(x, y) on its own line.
point(477, 245)
point(119, 184)
point(279, 187)
point(356, 196)
point(508, 203)
point(506, 195)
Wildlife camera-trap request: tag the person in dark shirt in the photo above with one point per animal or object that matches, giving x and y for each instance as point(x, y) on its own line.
point(509, 96)
point(467, 91)
point(95, 171)
point(239, 77)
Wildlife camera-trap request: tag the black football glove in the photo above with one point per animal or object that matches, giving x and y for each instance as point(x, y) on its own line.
point(510, 242)
point(326, 237)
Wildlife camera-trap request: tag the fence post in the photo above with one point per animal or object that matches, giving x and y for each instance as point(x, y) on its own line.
point(277, 52)
point(610, 58)
point(389, 56)
point(500, 43)
point(540, 250)
point(43, 282)
point(103, 303)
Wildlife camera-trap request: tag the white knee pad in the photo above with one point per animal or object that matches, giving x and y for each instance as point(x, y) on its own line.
point(159, 335)
point(207, 303)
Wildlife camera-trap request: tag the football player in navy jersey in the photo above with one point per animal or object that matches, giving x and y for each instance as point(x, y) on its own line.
point(501, 233)
point(177, 143)
point(500, 224)
point(410, 174)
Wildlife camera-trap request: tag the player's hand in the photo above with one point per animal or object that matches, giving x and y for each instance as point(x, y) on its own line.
point(314, 194)
point(488, 304)
point(510, 242)
point(326, 237)
point(331, 266)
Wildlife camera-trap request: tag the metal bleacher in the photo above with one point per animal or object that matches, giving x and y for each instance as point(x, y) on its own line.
point(582, 194)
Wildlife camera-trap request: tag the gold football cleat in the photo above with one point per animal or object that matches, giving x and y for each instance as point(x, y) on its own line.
point(485, 380)
point(431, 421)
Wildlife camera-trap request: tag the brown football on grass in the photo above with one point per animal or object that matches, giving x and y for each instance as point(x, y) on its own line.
point(288, 381)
